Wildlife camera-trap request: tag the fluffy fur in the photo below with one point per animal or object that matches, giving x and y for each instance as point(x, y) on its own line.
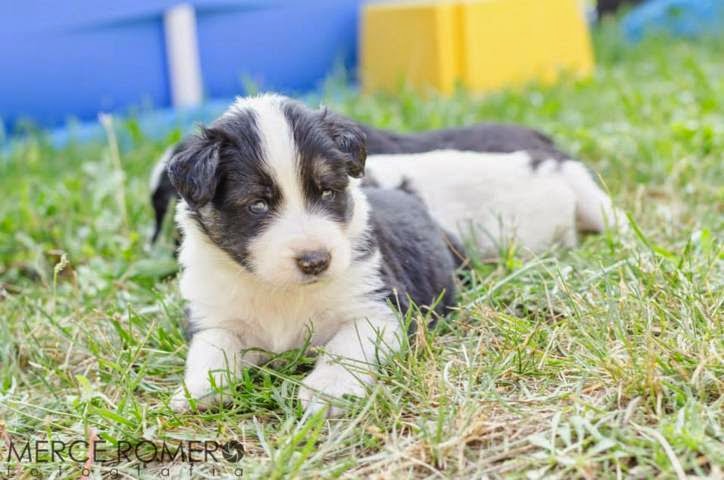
point(495, 198)
point(282, 245)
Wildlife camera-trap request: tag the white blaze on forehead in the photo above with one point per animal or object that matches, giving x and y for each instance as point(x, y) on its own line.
point(278, 147)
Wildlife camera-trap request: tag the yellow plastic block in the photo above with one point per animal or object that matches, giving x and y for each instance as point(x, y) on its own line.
point(483, 44)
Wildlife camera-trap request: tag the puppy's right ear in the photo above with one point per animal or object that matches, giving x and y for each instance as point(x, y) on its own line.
point(193, 168)
point(350, 139)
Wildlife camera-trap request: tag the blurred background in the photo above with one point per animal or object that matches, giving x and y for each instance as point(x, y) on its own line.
point(170, 64)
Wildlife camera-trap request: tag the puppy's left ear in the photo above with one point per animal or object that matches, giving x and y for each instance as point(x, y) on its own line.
point(349, 139)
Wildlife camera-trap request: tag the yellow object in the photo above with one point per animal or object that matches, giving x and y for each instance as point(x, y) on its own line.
point(483, 44)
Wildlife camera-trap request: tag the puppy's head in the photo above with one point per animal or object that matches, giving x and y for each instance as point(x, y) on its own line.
point(270, 184)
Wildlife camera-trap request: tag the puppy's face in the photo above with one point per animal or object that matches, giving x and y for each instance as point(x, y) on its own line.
point(269, 183)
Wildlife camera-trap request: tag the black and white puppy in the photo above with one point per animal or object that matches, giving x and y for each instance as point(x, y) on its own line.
point(281, 244)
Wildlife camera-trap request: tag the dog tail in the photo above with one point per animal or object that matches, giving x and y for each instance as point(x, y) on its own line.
point(162, 192)
point(594, 209)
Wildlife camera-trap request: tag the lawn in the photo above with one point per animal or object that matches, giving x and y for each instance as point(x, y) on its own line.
point(604, 361)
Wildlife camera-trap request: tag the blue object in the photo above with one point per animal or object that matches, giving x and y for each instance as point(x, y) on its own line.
point(72, 59)
point(686, 18)
point(156, 124)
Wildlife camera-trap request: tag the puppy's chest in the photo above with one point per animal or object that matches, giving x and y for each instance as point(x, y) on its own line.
point(278, 322)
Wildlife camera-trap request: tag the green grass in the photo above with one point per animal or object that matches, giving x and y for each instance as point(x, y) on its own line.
point(605, 361)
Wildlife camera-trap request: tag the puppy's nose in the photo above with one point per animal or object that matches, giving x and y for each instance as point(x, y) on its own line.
point(313, 262)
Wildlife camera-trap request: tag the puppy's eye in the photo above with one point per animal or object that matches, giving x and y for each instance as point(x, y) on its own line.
point(258, 207)
point(328, 195)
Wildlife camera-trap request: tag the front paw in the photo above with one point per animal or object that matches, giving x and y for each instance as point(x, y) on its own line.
point(327, 384)
point(203, 399)
point(180, 402)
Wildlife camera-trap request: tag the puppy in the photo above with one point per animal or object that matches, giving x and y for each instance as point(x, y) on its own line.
point(532, 198)
point(281, 245)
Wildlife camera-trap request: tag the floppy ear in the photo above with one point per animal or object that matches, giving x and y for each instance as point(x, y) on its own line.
point(349, 139)
point(193, 168)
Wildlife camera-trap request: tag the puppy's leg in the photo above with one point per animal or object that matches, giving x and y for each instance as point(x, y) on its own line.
point(346, 365)
point(213, 353)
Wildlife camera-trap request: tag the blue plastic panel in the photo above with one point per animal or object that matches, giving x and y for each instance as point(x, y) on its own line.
point(72, 59)
point(289, 46)
point(61, 60)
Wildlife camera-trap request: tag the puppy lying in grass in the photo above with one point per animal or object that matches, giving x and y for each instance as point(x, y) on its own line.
point(282, 244)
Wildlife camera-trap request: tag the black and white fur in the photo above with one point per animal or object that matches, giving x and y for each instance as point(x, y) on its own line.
point(282, 244)
point(533, 200)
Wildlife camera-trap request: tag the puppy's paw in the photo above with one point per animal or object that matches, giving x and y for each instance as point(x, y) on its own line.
point(179, 402)
point(202, 399)
point(328, 383)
